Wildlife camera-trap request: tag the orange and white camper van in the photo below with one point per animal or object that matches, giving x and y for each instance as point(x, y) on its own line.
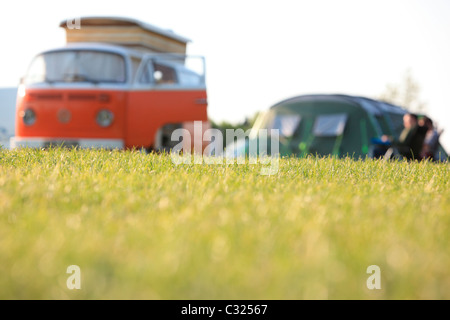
point(118, 83)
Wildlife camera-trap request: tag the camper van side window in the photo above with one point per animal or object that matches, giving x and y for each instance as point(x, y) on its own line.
point(189, 78)
point(159, 74)
point(164, 74)
point(147, 74)
point(135, 62)
point(331, 125)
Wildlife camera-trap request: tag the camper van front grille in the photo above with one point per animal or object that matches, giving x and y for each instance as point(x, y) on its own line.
point(82, 97)
point(69, 97)
point(44, 96)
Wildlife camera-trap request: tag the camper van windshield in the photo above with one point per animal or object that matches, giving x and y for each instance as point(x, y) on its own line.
point(77, 66)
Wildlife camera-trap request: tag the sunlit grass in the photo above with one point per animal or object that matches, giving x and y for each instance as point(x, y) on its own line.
point(140, 227)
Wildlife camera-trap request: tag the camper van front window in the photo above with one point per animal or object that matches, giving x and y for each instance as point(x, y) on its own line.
point(331, 125)
point(77, 66)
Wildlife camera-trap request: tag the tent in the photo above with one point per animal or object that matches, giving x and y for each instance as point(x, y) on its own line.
point(331, 124)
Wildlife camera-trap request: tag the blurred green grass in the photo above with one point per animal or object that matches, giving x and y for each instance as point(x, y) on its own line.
point(140, 227)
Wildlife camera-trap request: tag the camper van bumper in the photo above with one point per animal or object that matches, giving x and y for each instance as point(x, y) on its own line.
point(17, 142)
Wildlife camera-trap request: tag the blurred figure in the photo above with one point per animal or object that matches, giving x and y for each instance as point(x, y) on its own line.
point(431, 142)
point(409, 143)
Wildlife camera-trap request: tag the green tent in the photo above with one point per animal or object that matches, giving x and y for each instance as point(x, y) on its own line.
point(339, 125)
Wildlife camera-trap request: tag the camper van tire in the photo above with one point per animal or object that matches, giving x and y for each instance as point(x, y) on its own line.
point(163, 141)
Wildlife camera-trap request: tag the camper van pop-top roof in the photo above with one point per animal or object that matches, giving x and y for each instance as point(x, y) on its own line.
point(124, 32)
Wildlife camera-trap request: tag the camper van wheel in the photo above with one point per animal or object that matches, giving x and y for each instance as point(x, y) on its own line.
point(163, 141)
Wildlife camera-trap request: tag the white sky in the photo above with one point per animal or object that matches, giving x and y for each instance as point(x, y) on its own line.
point(261, 52)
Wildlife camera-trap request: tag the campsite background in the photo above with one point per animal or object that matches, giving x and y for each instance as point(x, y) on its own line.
point(261, 52)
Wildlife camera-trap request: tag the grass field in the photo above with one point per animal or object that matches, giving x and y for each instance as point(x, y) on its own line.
point(140, 227)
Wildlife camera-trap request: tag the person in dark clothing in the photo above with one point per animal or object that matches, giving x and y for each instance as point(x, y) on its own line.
point(409, 143)
point(431, 142)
